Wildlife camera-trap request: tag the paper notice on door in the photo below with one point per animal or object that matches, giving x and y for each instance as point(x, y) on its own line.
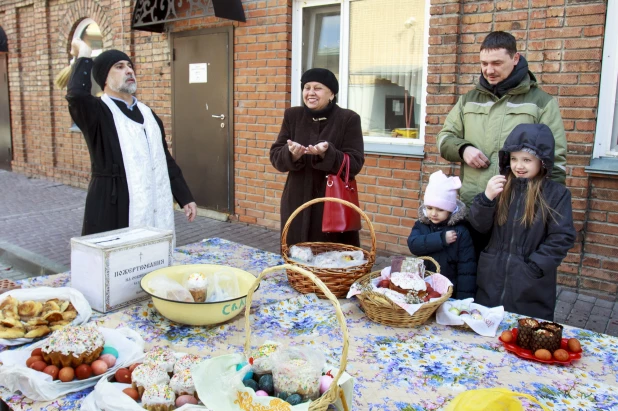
point(198, 73)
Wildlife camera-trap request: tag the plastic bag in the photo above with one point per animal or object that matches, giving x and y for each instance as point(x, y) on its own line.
point(482, 320)
point(169, 289)
point(84, 311)
point(262, 357)
point(222, 286)
point(38, 386)
point(298, 371)
point(490, 399)
point(301, 254)
point(339, 259)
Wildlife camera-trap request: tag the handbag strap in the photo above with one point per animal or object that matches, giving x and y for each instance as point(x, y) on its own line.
point(345, 163)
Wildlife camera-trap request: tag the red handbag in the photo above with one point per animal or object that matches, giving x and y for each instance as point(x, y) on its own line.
point(338, 217)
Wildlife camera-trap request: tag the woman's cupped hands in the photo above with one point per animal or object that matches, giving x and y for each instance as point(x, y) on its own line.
point(298, 150)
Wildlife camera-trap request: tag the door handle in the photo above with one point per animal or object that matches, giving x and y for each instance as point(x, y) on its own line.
point(221, 117)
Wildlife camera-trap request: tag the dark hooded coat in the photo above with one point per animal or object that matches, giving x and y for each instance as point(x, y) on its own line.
point(306, 180)
point(107, 202)
point(457, 260)
point(518, 268)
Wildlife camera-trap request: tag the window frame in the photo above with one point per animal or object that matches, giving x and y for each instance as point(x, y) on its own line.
point(605, 151)
point(377, 145)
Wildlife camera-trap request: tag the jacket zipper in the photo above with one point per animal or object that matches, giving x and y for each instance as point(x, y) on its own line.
point(508, 260)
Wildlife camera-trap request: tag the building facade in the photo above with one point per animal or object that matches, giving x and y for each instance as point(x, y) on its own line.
point(221, 86)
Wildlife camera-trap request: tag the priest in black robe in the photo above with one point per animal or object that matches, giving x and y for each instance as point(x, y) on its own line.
point(133, 179)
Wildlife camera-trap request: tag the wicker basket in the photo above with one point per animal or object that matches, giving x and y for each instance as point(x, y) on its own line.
point(334, 392)
point(381, 309)
point(338, 280)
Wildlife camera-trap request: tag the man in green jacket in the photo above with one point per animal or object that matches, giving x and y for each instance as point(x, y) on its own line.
point(507, 95)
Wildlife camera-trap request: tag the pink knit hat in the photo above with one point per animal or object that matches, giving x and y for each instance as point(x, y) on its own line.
point(441, 192)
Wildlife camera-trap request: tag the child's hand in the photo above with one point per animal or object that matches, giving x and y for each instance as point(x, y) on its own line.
point(495, 185)
point(451, 236)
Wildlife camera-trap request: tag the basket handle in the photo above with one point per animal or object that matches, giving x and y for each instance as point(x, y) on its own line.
point(284, 232)
point(332, 394)
point(433, 261)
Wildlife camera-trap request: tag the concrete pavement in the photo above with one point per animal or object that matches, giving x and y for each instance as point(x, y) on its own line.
point(38, 218)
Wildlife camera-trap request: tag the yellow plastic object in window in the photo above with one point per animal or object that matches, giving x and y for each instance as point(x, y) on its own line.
point(490, 399)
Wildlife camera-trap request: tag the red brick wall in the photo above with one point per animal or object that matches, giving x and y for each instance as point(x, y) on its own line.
point(562, 41)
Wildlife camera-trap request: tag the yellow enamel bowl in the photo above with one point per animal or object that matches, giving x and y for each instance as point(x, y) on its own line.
point(206, 313)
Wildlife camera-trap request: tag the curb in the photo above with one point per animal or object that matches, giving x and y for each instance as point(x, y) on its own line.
point(29, 262)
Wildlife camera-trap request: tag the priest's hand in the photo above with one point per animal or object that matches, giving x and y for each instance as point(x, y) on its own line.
point(80, 49)
point(190, 211)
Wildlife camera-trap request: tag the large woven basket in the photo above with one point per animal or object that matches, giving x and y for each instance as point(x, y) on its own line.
point(334, 392)
point(338, 280)
point(381, 309)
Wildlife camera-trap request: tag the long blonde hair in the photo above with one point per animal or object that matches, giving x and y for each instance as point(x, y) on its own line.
point(535, 201)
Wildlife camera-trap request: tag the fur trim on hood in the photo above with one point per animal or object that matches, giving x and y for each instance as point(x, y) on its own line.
point(456, 217)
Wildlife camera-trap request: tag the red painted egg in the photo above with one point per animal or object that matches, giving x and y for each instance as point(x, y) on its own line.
point(123, 375)
point(132, 392)
point(185, 399)
point(52, 370)
point(83, 371)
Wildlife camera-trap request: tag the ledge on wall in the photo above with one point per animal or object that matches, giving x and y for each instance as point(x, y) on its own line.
point(603, 165)
point(395, 150)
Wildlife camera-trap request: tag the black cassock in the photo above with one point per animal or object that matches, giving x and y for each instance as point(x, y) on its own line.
point(107, 202)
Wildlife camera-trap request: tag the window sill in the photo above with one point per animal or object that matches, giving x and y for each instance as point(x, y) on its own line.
point(416, 151)
point(603, 165)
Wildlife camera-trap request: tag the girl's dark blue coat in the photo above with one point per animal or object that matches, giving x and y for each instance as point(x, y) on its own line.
point(457, 260)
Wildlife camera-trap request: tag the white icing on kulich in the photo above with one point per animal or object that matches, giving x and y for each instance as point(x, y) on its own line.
point(186, 362)
point(408, 281)
point(164, 357)
point(74, 340)
point(159, 394)
point(196, 280)
point(183, 383)
point(145, 375)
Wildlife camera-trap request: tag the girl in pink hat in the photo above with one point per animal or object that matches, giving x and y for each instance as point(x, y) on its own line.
point(440, 233)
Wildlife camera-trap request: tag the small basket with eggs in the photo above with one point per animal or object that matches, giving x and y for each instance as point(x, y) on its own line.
point(403, 295)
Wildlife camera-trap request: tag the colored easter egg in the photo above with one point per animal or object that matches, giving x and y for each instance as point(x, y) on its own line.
point(325, 382)
point(109, 350)
point(132, 392)
point(239, 366)
point(294, 399)
point(108, 359)
point(66, 374)
point(185, 399)
point(251, 384)
point(261, 393)
point(248, 375)
point(99, 367)
point(266, 383)
point(83, 371)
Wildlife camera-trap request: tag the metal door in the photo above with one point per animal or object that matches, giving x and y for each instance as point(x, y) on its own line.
point(5, 116)
point(202, 115)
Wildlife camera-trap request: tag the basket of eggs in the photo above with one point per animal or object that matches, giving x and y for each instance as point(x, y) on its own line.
point(383, 310)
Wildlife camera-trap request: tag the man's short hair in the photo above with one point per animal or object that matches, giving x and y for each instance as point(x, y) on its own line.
point(500, 40)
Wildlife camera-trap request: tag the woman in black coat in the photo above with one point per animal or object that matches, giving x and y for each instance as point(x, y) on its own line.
point(531, 224)
point(310, 145)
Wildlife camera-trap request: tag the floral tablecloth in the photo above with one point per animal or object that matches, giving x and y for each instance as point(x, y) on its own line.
point(405, 369)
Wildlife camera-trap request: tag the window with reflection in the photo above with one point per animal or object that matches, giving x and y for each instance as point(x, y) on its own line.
point(377, 50)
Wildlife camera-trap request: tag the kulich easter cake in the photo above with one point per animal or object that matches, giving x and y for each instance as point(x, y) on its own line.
point(73, 346)
point(182, 383)
point(196, 284)
point(147, 375)
point(163, 357)
point(159, 397)
point(186, 362)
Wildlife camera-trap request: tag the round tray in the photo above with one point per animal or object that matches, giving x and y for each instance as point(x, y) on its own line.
point(529, 355)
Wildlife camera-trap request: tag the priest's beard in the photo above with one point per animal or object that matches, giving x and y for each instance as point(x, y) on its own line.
point(124, 87)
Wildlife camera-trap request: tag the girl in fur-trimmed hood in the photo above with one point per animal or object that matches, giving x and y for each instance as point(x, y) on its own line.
point(440, 233)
